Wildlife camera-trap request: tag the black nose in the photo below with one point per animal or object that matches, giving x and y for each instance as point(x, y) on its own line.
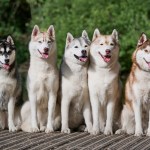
point(46, 49)
point(108, 51)
point(83, 52)
point(6, 61)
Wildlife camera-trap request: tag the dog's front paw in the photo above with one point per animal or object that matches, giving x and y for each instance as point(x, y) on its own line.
point(138, 133)
point(108, 131)
point(120, 131)
point(42, 128)
point(12, 128)
point(49, 130)
point(88, 129)
point(148, 133)
point(66, 130)
point(95, 131)
point(35, 129)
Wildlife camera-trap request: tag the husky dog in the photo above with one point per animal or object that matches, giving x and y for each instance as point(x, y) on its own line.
point(137, 92)
point(10, 86)
point(103, 80)
point(42, 83)
point(75, 104)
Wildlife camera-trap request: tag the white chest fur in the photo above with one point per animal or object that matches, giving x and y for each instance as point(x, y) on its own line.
point(142, 86)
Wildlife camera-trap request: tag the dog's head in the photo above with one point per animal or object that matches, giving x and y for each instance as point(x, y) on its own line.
point(42, 43)
point(77, 49)
point(141, 55)
point(7, 53)
point(104, 48)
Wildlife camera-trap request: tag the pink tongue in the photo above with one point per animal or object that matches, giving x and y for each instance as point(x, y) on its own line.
point(83, 59)
point(148, 64)
point(106, 59)
point(6, 66)
point(45, 55)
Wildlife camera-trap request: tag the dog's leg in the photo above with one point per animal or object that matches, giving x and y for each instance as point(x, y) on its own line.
point(11, 107)
point(148, 130)
point(17, 118)
point(95, 113)
point(42, 116)
point(65, 104)
point(87, 116)
point(2, 120)
point(102, 118)
point(138, 118)
point(33, 104)
point(51, 111)
point(109, 120)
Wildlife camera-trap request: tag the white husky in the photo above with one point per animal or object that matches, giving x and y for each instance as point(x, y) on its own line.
point(136, 111)
point(75, 104)
point(42, 83)
point(103, 80)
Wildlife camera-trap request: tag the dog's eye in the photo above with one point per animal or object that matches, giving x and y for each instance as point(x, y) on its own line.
point(112, 44)
point(9, 52)
point(48, 42)
point(85, 46)
point(146, 50)
point(101, 44)
point(39, 41)
point(76, 47)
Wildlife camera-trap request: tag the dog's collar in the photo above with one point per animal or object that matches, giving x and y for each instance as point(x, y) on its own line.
point(11, 67)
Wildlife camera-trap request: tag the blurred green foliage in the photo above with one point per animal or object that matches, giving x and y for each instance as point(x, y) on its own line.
point(130, 18)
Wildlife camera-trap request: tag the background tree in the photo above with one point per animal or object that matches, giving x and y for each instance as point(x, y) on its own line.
point(130, 18)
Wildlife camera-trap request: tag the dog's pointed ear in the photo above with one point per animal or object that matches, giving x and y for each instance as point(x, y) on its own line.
point(69, 38)
point(35, 31)
point(85, 35)
point(10, 40)
point(142, 39)
point(51, 32)
point(115, 35)
point(96, 34)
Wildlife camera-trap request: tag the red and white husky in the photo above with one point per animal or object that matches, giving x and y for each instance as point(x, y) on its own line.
point(103, 81)
point(137, 91)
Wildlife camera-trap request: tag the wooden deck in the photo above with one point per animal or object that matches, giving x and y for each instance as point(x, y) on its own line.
point(74, 141)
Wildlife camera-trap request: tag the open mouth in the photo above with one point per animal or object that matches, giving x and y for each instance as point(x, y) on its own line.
point(5, 66)
point(106, 58)
point(81, 58)
point(44, 55)
point(147, 62)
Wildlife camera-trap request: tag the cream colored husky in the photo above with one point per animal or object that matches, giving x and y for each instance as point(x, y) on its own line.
point(103, 81)
point(75, 104)
point(42, 83)
point(136, 110)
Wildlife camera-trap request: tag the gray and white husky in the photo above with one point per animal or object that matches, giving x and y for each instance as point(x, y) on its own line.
point(42, 84)
point(10, 86)
point(75, 103)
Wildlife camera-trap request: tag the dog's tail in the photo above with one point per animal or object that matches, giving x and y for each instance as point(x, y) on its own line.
point(57, 123)
point(25, 115)
point(127, 121)
point(57, 120)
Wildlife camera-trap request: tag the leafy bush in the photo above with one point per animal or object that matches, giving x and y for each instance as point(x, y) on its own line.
point(129, 17)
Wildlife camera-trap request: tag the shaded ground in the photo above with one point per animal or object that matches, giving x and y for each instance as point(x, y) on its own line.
point(73, 141)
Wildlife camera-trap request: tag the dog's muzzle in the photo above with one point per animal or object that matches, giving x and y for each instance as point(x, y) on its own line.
point(5, 65)
point(82, 58)
point(148, 63)
point(106, 57)
point(44, 55)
